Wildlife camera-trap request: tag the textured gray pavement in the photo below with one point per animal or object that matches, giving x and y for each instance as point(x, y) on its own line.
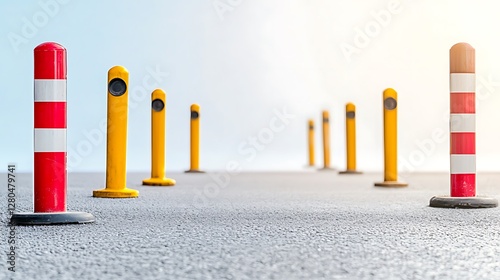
point(301, 225)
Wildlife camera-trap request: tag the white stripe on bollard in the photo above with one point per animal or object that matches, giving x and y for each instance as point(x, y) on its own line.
point(50, 140)
point(463, 164)
point(50, 90)
point(462, 123)
point(462, 82)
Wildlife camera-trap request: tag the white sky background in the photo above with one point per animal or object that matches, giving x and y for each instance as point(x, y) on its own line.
point(243, 64)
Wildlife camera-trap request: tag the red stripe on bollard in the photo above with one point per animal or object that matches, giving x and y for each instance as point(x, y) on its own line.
point(50, 114)
point(463, 143)
point(50, 182)
point(463, 185)
point(461, 103)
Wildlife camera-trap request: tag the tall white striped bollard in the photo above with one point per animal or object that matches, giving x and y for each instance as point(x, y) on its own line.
point(49, 171)
point(463, 133)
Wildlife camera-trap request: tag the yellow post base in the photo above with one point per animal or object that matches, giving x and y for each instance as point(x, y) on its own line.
point(167, 182)
point(194, 171)
point(391, 184)
point(350, 172)
point(111, 193)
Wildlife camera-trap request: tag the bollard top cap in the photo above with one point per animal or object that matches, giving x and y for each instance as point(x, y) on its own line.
point(462, 58)
point(158, 93)
point(117, 70)
point(350, 106)
point(195, 107)
point(50, 61)
point(390, 92)
point(49, 46)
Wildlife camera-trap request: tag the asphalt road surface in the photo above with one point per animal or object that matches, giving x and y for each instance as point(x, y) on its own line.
point(300, 225)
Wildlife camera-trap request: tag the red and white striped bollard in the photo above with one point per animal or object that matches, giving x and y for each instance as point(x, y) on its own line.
point(50, 141)
point(462, 133)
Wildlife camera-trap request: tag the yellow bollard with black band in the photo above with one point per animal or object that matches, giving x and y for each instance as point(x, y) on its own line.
point(195, 140)
point(116, 145)
point(390, 104)
point(350, 132)
point(158, 108)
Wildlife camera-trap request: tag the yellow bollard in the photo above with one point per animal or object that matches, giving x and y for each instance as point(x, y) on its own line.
point(350, 132)
point(326, 141)
point(116, 146)
point(310, 141)
point(391, 140)
point(195, 140)
point(158, 109)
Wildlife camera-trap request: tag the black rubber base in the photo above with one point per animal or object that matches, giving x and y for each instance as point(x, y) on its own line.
point(350, 172)
point(194, 171)
point(463, 202)
point(56, 218)
point(391, 184)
